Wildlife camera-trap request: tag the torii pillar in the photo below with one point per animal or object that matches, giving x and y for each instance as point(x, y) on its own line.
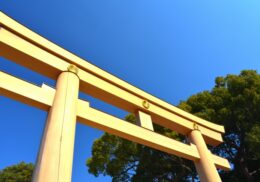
point(205, 166)
point(55, 158)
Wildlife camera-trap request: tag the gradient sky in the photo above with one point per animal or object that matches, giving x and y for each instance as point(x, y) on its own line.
point(171, 49)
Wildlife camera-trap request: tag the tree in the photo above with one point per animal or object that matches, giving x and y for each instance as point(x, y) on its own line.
point(21, 172)
point(234, 102)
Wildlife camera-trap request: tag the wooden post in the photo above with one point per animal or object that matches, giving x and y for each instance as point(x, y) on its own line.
point(54, 163)
point(144, 120)
point(205, 166)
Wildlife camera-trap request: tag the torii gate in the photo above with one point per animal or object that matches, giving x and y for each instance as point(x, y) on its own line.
point(73, 74)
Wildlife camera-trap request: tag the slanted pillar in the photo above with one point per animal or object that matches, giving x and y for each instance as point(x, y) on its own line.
point(205, 166)
point(54, 163)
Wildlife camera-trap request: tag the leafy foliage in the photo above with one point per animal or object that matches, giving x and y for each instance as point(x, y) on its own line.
point(233, 102)
point(21, 172)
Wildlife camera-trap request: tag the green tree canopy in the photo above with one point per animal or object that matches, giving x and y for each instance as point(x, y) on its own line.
point(21, 172)
point(234, 102)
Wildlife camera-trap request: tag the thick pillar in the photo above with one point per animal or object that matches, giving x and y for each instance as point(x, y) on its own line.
point(54, 163)
point(205, 166)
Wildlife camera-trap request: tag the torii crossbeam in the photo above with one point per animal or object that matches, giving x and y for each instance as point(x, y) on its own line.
point(73, 74)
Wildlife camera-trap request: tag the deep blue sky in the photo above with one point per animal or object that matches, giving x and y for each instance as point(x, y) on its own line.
point(170, 48)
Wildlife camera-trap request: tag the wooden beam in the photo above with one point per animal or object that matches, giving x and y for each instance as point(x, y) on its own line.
point(33, 95)
point(52, 48)
point(220, 163)
point(42, 97)
point(129, 131)
point(27, 54)
point(116, 126)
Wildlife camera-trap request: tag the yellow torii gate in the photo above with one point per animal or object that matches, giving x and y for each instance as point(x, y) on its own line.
point(73, 74)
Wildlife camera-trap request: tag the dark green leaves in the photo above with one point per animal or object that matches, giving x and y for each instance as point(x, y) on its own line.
point(21, 172)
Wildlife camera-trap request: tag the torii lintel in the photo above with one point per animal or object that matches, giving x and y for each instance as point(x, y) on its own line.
point(31, 50)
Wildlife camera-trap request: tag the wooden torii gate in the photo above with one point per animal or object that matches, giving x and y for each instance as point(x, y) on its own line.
point(73, 74)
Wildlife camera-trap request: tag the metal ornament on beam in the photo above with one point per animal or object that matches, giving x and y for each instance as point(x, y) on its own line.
point(73, 69)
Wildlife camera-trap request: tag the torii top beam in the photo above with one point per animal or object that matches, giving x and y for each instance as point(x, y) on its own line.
point(31, 50)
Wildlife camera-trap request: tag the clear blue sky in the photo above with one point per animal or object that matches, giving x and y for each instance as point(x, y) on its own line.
point(170, 48)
